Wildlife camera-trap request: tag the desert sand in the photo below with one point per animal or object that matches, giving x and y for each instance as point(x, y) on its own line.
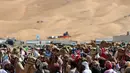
point(83, 19)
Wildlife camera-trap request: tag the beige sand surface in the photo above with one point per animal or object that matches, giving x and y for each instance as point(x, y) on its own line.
point(83, 19)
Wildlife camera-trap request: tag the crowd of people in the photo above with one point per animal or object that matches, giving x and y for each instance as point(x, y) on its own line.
point(81, 58)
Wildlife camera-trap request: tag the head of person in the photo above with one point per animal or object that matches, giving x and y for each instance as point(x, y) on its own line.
point(73, 64)
point(85, 66)
point(10, 69)
point(108, 65)
point(16, 51)
point(121, 51)
point(55, 50)
point(56, 67)
point(102, 62)
point(95, 67)
point(95, 64)
point(6, 64)
point(122, 63)
point(127, 68)
point(45, 65)
point(109, 55)
point(42, 58)
point(127, 64)
point(93, 51)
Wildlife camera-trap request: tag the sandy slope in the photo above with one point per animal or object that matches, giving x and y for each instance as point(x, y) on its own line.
point(84, 19)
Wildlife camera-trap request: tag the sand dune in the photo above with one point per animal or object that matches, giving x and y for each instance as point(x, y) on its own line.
point(84, 19)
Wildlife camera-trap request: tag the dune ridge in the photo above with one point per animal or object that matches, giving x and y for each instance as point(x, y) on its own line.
point(83, 19)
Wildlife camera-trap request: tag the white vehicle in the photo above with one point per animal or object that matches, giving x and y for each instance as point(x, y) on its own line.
point(52, 37)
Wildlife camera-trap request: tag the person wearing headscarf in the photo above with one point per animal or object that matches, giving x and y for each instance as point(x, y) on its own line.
point(109, 66)
point(86, 67)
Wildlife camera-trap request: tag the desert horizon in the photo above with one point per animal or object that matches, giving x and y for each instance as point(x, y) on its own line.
point(83, 19)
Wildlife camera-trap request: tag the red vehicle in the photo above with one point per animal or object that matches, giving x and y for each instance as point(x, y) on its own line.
point(65, 36)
